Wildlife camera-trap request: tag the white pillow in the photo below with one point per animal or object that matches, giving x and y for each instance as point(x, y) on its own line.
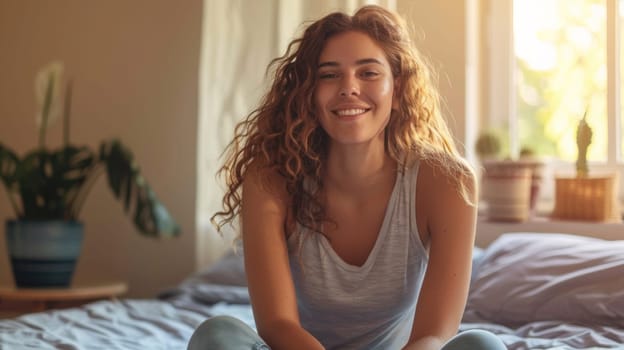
point(526, 277)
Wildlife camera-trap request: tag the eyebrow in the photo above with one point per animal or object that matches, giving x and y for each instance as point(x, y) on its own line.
point(358, 62)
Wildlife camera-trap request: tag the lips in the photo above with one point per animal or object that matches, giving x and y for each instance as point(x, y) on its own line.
point(348, 112)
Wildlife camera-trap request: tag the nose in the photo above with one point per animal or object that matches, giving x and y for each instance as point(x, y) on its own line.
point(349, 87)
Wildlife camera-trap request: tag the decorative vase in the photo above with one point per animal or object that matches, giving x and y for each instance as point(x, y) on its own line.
point(506, 188)
point(43, 253)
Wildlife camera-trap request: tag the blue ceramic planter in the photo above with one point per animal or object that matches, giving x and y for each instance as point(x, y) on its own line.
point(43, 253)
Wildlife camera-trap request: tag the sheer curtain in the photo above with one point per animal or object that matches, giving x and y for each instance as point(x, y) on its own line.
point(239, 39)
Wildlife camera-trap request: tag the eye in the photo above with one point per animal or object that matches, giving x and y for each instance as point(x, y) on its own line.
point(327, 75)
point(370, 74)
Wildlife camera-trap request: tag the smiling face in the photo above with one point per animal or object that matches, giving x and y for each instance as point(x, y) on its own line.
point(355, 87)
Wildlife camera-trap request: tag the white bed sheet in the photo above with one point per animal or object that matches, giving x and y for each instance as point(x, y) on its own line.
point(157, 324)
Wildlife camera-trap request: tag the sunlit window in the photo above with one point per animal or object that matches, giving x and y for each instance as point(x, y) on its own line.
point(561, 75)
point(551, 63)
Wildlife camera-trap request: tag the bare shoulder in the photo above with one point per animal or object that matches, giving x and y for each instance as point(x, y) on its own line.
point(444, 189)
point(265, 180)
point(264, 202)
point(446, 178)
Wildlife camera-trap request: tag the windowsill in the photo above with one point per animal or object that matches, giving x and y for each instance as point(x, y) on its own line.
point(488, 231)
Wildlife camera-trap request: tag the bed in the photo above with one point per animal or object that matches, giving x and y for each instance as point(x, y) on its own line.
point(535, 290)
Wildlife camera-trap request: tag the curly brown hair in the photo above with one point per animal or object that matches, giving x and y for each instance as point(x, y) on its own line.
point(284, 136)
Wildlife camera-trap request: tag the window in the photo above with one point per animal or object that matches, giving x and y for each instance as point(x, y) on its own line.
point(551, 63)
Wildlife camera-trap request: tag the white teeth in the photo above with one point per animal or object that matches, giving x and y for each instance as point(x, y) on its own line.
point(352, 111)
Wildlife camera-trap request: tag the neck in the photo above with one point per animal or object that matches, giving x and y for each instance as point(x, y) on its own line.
point(359, 168)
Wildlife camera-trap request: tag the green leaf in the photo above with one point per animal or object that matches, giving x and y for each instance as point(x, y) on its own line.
point(8, 166)
point(150, 215)
point(8, 175)
point(49, 180)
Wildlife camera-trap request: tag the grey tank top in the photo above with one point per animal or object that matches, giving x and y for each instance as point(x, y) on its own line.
point(370, 306)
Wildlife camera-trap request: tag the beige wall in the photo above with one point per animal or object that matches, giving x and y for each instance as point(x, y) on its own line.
point(440, 34)
point(135, 69)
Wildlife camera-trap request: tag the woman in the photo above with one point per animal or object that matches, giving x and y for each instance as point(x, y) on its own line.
point(358, 214)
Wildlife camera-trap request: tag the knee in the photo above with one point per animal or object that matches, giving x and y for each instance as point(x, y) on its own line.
point(217, 333)
point(475, 339)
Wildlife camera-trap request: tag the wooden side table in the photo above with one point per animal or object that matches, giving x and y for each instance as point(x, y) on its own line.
point(16, 301)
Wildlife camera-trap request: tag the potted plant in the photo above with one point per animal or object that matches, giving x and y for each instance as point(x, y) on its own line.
point(509, 187)
point(47, 188)
point(488, 145)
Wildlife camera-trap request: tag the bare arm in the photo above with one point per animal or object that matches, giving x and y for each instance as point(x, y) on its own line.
point(266, 262)
point(450, 223)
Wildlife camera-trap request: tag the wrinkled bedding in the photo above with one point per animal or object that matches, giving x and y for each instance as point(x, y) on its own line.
point(552, 335)
point(126, 324)
point(513, 261)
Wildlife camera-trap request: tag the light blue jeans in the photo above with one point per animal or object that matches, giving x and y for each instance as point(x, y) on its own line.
point(229, 333)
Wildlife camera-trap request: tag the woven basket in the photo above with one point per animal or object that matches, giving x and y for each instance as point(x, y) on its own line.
point(587, 198)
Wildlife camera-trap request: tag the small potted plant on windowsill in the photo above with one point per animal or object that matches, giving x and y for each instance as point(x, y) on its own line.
point(509, 187)
point(47, 188)
point(586, 196)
